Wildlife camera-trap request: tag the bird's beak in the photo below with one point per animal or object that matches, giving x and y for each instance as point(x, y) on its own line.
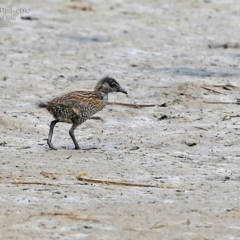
point(122, 90)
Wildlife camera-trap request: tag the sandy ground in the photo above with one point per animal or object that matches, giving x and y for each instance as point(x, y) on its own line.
point(160, 52)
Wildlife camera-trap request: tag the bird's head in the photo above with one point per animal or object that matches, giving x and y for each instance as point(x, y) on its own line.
point(108, 84)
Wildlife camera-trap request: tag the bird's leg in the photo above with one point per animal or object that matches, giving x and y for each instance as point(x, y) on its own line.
point(49, 140)
point(71, 133)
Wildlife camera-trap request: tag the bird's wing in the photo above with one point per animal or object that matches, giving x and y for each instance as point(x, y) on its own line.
point(77, 101)
point(79, 108)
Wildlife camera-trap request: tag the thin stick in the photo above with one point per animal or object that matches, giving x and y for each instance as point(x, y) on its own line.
point(221, 102)
point(212, 90)
point(132, 104)
point(34, 183)
point(80, 178)
point(226, 85)
point(201, 128)
point(70, 215)
point(224, 45)
point(229, 117)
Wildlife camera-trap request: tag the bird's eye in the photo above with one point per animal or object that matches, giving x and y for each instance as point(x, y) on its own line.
point(112, 84)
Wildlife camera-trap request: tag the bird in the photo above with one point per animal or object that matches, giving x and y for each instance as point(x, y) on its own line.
point(78, 106)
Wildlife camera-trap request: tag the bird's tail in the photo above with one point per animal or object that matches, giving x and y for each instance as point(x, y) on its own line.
point(42, 105)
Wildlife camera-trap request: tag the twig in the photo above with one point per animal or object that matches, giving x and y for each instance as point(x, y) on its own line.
point(132, 104)
point(229, 117)
point(34, 183)
point(84, 179)
point(70, 215)
point(224, 45)
point(212, 90)
point(201, 128)
point(190, 144)
point(81, 8)
point(54, 173)
point(159, 226)
point(89, 148)
point(228, 85)
point(221, 102)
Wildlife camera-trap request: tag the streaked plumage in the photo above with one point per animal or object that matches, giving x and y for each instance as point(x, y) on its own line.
point(76, 107)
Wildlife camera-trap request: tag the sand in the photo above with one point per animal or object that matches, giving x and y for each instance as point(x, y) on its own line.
point(179, 56)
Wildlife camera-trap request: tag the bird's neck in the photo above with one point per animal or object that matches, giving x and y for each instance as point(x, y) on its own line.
point(102, 95)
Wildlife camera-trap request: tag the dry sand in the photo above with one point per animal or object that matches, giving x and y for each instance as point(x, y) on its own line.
point(161, 52)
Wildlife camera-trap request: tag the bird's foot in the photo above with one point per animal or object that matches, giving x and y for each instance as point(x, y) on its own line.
point(50, 145)
point(77, 147)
